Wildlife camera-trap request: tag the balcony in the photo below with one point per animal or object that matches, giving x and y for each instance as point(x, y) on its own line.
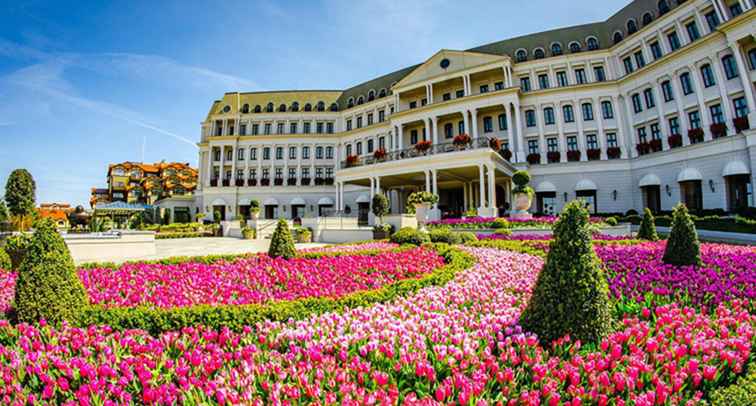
point(419, 150)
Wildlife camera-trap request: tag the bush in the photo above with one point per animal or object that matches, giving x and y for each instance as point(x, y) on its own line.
point(611, 221)
point(571, 295)
point(383, 228)
point(647, 229)
point(503, 231)
point(303, 234)
point(500, 223)
point(467, 237)
point(741, 392)
point(422, 197)
point(281, 243)
point(48, 286)
point(248, 233)
point(15, 247)
point(631, 212)
point(444, 235)
point(5, 261)
point(683, 247)
point(409, 235)
point(182, 234)
point(521, 178)
point(20, 193)
point(380, 205)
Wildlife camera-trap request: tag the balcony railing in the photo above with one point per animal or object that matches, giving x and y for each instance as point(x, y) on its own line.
point(409, 153)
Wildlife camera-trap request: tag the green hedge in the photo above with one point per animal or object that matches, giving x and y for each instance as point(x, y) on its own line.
point(510, 245)
point(742, 392)
point(235, 317)
point(737, 224)
point(187, 234)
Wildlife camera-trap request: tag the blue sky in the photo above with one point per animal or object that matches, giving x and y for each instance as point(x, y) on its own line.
point(84, 84)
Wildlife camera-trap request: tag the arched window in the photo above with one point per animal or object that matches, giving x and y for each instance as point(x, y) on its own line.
point(308, 107)
point(632, 27)
point(350, 103)
point(295, 106)
point(226, 109)
point(334, 107)
point(663, 7)
point(382, 93)
point(371, 95)
point(617, 37)
point(245, 109)
point(647, 19)
point(321, 106)
point(539, 54)
point(258, 109)
point(592, 44)
point(556, 49)
point(575, 47)
point(282, 107)
point(269, 108)
point(360, 100)
point(521, 56)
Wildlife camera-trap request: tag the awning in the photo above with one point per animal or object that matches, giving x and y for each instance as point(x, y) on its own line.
point(735, 168)
point(325, 201)
point(270, 202)
point(689, 174)
point(649, 180)
point(245, 201)
point(219, 202)
point(363, 198)
point(298, 201)
point(545, 186)
point(585, 184)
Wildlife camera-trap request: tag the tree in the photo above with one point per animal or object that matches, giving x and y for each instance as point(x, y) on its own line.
point(47, 286)
point(4, 215)
point(380, 206)
point(282, 243)
point(683, 247)
point(647, 229)
point(571, 295)
point(20, 193)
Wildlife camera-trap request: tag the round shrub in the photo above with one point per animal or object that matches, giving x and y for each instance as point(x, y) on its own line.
point(500, 223)
point(409, 235)
point(380, 205)
point(5, 261)
point(647, 230)
point(611, 221)
point(467, 237)
point(503, 231)
point(47, 286)
point(444, 235)
point(282, 243)
point(683, 247)
point(521, 178)
point(571, 295)
point(15, 247)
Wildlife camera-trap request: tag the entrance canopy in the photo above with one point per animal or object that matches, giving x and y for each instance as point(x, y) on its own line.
point(649, 180)
point(270, 202)
point(736, 168)
point(119, 208)
point(298, 201)
point(585, 184)
point(325, 201)
point(689, 174)
point(545, 186)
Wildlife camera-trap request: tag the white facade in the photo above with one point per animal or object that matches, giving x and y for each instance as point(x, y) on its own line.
point(587, 117)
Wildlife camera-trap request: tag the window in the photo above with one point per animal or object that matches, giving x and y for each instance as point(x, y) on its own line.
point(717, 117)
point(266, 173)
point(640, 61)
point(730, 67)
point(556, 49)
point(569, 115)
point(329, 152)
point(548, 116)
point(533, 146)
point(348, 125)
point(461, 127)
point(487, 124)
point(663, 7)
point(446, 96)
point(521, 56)
point(667, 91)
point(694, 118)
point(637, 106)
point(502, 122)
point(253, 154)
point(253, 173)
point(292, 173)
point(280, 128)
point(229, 155)
point(674, 40)
point(628, 63)
point(381, 143)
point(712, 20)
point(530, 118)
point(292, 128)
point(370, 146)
point(424, 101)
point(752, 58)
point(266, 153)
point(413, 137)
point(592, 44)
point(741, 107)
point(552, 145)
point(648, 95)
point(561, 78)
point(632, 27)
point(329, 127)
point(692, 29)
point(255, 129)
point(499, 86)
point(279, 173)
point(370, 119)
point(525, 84)
point(647, 19)
point(319, 127)
point(655, 131)
point(617, 38)
point(413, 104)
point(292, 152)
point(580, 76)
point(539, 54)
point(599, 73)
point(279, 152)
point(591, 141)
point(587, 112)
point(448, 130)
point(656, 51)
point(381, 116)
point(607, 110)
point(687, 85)
point(611, 140)
point(575, 47)
point(572, 144)
point(484, 88)
point(691, 194)
point(735, 9)
point(349, 149)
point(642, 135)
point(543, 81)
point(242, 129)
point(674, 126)
point(308, 106)
point(305, 152)
point(460, 93)
point(359, 122)
point(359, 146)
point(268, 127)
point(708, 76)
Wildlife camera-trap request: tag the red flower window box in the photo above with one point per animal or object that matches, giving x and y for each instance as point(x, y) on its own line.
point(613, 152)
point(461, 140)
point(675, 140)
point(696, 135)
point(291, 181)
point(655, 145)
point(352, 160)
point(305, 181)
point(741, 124)
point(495, 144)
point(553, 156)
point(593, 154)
point(423, 146)
point(718, 130)
point(573, 156)
point(265, 182)
point(534, 159)
point(379, 154)
point(278, 181)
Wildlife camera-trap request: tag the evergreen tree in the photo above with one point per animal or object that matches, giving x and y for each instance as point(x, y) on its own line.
point(380, 206)
point(571, 295)
point(647, 229)
point(20, 193)
point(683, 247)
point(282, 243)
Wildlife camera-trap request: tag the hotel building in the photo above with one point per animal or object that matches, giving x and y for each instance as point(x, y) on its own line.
point(648, 108)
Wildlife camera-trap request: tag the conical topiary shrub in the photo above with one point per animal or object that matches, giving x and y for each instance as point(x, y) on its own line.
point(571, 295)
point(647, 229)
point(281, 243)
point(47, 286)
point(683, 247)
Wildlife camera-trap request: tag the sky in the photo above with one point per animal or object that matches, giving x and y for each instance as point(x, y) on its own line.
point(88, 83)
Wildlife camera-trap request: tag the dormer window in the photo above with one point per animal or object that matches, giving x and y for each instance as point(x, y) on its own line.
point(334, 107)
point(282, 108)
point(258, 109)
point(575, 47)
point(295, 106)
point(382, 93)
point(226, 108)
point(269, 108)
point(632, 28)
point(647, 19)
point(371, 95)
point(592, 44)
point(539, 54)
point(360, 100)
point(321, 106)
point(617, 37)
point(521, 56)
point(308, 107)
point(245, 109)
point(556, 49)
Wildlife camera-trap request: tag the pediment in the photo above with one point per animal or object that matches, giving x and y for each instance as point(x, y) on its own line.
point(448, 61)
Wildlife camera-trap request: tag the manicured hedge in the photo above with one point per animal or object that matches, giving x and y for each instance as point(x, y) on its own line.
point(742, 392)
point(522, 247)
point(188, 234)
point(156, 320)
point(737, 224)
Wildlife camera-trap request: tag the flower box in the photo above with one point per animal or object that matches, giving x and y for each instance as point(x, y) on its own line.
point(494, 144)
point(304, 181)
point(461, 140)
point(379, 154)
point(655, 145)
point(239, 182)
point(291, 181)
point(278, 181)
point(553, 156)
point(534, 159)
point(613, 152)
point(507, 154)
point(351, 160)
point(251, 182)
point(226, 182)
point(718, 130)
point(696, 135)
point(213, 182)
point(741, 124)
point(319, 181)
point(423, 146)
point(573, 156)
point(643, 148)
point(328, 181)
point(265, 182)
point(593, 154)
point(675, 140)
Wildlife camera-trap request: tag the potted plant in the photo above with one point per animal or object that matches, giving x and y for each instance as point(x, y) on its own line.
point(423, 146)
point(305, 181)
point(352, 160)
point(380, 207)
point(507, 154)
point(553, 156)
point(248, 233)
point(422, 201)
point(523, 195)
point(593, 154)
point(696, 135)
point(655, 145)
point(303, 235)
point(534, 158)
point(643, 148)
point(741, 124)
point(494, 144)
point(613, 152)
point(291, 181)
point(382, 231)
point(252, 182)
point(461, 140)
point(254, 209)
point(319, 181)
point(379, 154)
point(675, 140)
point(328, 181)
point(265, 182)
point(278, 181)
point(718, 130)
point(573, 156)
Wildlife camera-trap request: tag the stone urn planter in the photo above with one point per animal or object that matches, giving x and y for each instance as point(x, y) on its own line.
point(522, 196)
point(421, 214)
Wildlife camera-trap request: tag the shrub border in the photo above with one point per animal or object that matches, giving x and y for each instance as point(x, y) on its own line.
point(235, 317)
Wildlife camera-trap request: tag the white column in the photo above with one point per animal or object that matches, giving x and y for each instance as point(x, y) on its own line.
point(467, 122)
point(698, 89)
point(659, 104)
point(541, 135)
point(719, 10)
point(744, 74)
point(400, 136)
point(482, 192)
point(430, 136)
point(377, 185)
point(622, 129)
point(600, 127)
point(491, 187)
point(434, 128)
point(221, 173)
point(681, 117)
point(520, 135)
point(468, 87)
point(434, 185)
point(474, 114)
point(372, 188)
point(464, 196)
point(726, 105)
point(581, 131)
point(209, 165)
point(427, 181)
point(560, 129)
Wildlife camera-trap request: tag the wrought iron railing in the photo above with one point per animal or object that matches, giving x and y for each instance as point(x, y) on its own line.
point(414, 152)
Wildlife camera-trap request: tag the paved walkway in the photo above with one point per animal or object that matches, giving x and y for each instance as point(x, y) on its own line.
point(203, 246)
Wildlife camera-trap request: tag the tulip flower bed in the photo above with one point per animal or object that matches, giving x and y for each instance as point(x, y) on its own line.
point(477, 223)
point(546, 237)
point(353, 248)
point(455, 343)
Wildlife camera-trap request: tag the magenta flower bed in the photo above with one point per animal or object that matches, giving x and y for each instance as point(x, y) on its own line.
point(540, 237)
point(369, 246)
point(453, 344)
point(256, 279)
point(728, 272)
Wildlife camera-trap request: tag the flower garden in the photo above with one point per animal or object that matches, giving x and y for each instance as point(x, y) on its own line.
point(378, 323)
